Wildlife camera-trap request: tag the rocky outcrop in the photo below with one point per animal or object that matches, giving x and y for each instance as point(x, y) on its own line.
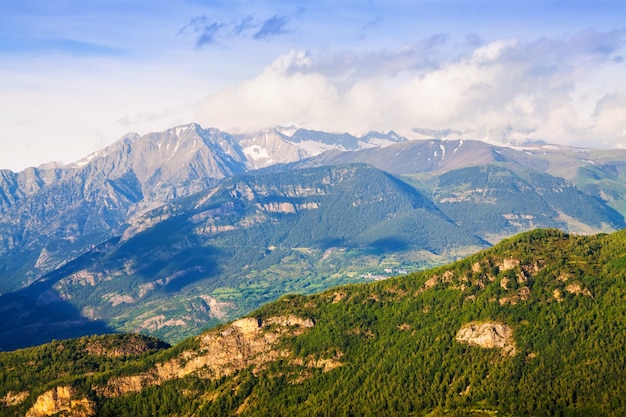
point(488, 335)
point(246, 342)
point(508, 264)
point(577, 288)
point(62, 400)
point(14, 398)
point(523, 294)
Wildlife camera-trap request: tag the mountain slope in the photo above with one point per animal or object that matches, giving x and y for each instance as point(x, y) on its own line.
point(599, 173)
point(417, 156)
point(280, 145)
point(221, 253)
point(197, 242)
point(493, 201)
point(532, 326)
point(425, 156)
point(53, 215)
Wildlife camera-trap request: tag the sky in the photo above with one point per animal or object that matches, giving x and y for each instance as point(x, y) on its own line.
point(77, 75)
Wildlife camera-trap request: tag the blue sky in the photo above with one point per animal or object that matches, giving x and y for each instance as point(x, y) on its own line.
point(77, 75)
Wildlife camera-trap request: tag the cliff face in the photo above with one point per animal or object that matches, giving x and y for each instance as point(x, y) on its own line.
point(245, 342)
point(62, 400)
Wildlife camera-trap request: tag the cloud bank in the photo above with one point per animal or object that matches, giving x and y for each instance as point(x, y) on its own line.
point(570, 90)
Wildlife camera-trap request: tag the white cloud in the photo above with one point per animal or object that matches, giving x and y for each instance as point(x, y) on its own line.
point(273, 97)
point(564, 91)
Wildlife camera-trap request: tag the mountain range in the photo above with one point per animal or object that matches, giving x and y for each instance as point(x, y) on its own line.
point(53, 213)
point(171, 232)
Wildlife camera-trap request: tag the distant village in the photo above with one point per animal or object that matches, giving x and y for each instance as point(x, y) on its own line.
point(387, 273)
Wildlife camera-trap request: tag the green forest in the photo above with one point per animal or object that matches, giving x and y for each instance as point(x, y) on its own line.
point(390, 347)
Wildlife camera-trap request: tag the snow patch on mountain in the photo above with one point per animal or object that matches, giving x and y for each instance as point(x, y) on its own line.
point(180, 129)
point(313, 148)
point(85, 160)
point(287, 130)
point(256, 152)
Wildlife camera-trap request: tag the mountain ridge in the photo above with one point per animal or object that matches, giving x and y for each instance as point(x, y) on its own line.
point(105, 189)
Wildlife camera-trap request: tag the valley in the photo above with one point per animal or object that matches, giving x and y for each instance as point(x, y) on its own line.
point(170, 233)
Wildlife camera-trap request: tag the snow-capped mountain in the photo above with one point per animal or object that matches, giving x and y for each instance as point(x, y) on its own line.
point(152, 206)
point(51, 213)
point(284, 145)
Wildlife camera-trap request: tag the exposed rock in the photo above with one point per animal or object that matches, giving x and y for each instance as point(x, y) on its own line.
point(44, 256)
point(521, 278)
point(447, 276)
point(564, 276)
point(246, 326)
point(338, 296)
point(146, 288)
point(577, 288)
point(431, 282)
point(62, 400)
point(218, 309)
point(245, 342)
point(160, 321)
point(558, 295)
point(82, 277)
point(291, 320)
point(504, 283)
point(488, 335)
point(508, 264)
point(14, 398)
point(277, 207)
point(522, 294)
point(312, 361)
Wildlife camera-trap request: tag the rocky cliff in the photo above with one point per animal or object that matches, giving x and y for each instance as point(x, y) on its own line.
point(62, 400)
point(248, 342)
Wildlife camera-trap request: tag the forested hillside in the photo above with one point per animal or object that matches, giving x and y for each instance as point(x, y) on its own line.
point(172, 232)
point(221, 253)
point(535, 326)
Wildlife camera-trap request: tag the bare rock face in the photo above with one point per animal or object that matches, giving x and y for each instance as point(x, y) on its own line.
point(61, 400)
point(488, 335)
point(14, 398)
point(245, 342)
